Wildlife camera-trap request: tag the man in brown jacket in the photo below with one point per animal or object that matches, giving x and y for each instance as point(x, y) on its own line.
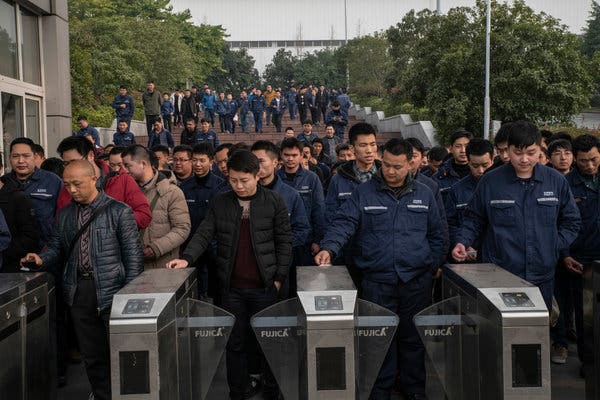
point(269, 96)
point(170, 224)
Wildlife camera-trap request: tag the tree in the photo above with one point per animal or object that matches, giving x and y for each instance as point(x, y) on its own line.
point(280, 72)
point(537, 72)
point(320, 68)
point(237, 72)
point(591, 36)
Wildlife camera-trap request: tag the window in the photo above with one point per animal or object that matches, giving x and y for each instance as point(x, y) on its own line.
point(30, 48)
point(32, 119)
point(9, 62)
point(12, 119)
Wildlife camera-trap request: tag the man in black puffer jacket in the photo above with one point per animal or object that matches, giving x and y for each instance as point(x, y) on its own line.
point(106, 256)
point(254, 249)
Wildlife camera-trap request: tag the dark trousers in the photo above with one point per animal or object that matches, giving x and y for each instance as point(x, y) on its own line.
point(302, 113)
point(406, 353)
point(177, 118)
point(257, 120)
point(323, 111)
point(314, 115)
point(568, 286)
point(277, 121)
point(243, 304)
point(91, 328)
point(222, 122)
point(150, 122)
point(269, 113)
point(167, 122)
point(292, 109)
point(209, 115)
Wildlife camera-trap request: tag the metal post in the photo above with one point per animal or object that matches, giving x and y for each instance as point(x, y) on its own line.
point(346, 43)
point(486, 105)
point(438, 8)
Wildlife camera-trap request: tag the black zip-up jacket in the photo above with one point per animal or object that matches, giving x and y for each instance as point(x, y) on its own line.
point(270, 232)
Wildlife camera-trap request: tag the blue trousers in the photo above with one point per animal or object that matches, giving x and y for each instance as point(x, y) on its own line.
point(257, 120)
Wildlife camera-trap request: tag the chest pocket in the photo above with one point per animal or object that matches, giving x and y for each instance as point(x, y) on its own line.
point(376, 218)
point(548, 209)
point(418, 216)
point(502, 212)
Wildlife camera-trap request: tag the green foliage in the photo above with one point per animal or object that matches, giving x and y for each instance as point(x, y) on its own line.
point(280, 72)
point(591, 37)
point(368, 63)
point(237, 72)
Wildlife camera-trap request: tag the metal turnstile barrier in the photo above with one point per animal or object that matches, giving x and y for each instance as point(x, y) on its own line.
point(325, 344)
point(165, 345)
point(489, 337)
point(591, 329)
point(27, 336)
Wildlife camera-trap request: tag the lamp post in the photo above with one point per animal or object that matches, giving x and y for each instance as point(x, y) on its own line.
point(486, 102)
point(346, 43)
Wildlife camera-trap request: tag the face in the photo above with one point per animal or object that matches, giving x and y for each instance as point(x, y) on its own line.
point(39, 159)
point(190, 126)
point(188, 93)
point(201, 164)
point(304, 162)
point(82, 124)
point(459, 150)
point(115, 162)
point(306, 152)
point(416, 161)
point(329, 131)
point(290, 133)
point(205, 126)
point(182, 164)
point(479, 164)
point(394, 168)
point(158, 126)
point(345, 155)
point(221, 160)
point(267, 164)
point(163, 160)
point(22, 160)
point(150, 86)
point(307, 128)
point(258, 92)
point(561, 159)
point(221, 96)
point(291, 158)
point(80, 186)
point(588, 162)
point(166, 97)
point(243, 183)
point(122, 92)
point(122, 127)
point(502, 150)
point(435, 164)
point(229, 97)
point(523, 160)
point(134, 168)
point(365, 149)
point(318, 147)
point(542, 158)
point(269, 88)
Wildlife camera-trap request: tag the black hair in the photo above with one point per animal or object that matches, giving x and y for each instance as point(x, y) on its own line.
point(289, 128)
point(307, 122)
point(160, 148)
point(117, 150)
point(123, 120)
point(502, 134)
point(54, 165)
point(454, 136)
point(78, 143)
point(22, 140)
point(190, 119)
point(204, 148)
point(416, 144)
point(183, 148)
point(123, 87)
point(360, 128)
point(137, 152)
point(203, 120)
point(561, 135)
point(341, 147)
point(290, 143)
point(222, 146)
point(559, 144)
point(243, 161)
point(480, 147)
point(267, 146)
point(437, 153)
point(585, 143)
point(524, 134)
point(546, 134)
point(150, 81)
point(81, 118)
point(335, 103)
point(398, 147)
point(157, 119)
point(39, 150)
point(317, 140)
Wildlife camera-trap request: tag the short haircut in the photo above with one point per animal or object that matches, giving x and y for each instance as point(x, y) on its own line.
point(480, 147)
point(160, 148)
point(329, 125)
point(243, 161)
point(54, 165)
point(341, 147)
point(122, 120)
point(546, 134)
point(183, 148)
point(22, 140)
point(1, 161)
point(109, 146)
point(81, 118)
point(416, 144)
point(203, 120)
point(437, 153)
point(138, 153)
point(335, 103)
point(561, 135)
point(39, 150)
point(289, 128)
point(117, 150)
point(307, 122)
point(222, 146)
point(317, 140)
point(559, 144)
point(78, 143)
point(190, 119)
point(585, 143)
point(454, 136)
point(524, 134)
point(398, 147)
point(502, 134)
point(291, 143)
point(360, 128)
point(269, 147)
point(204, 148)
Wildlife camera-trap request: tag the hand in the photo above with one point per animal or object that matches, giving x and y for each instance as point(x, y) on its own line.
point(31, 258)
point(314, 248)
point(573, 265)
point(123, 105)
point(149, 253)
point(177, 264)
point(471, 254)
point(277, 285)
point(437, 274)
point(323, 258)
point(459, 253)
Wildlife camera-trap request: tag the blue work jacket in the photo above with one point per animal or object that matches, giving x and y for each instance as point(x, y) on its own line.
point(126, 112)
point(446, 176)
point(296, 211)
point(123, 139)
point(457, 198)
point(198, 193)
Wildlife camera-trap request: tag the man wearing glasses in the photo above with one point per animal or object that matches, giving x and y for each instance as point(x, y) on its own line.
point(182, 163)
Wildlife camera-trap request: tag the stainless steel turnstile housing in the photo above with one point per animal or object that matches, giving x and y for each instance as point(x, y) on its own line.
point(143, 334)
point(27, 336)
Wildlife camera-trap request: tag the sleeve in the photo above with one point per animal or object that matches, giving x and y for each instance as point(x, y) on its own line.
point(132, 138)
point(436, 234)
point(25, 237)
point(202, 238)
point(52, 253)
point(114, 103)
point(151, 141)
point(179, 217)
point(115, 138)
point(328, 119)
point(170, 140)
point(569, 218)
point(331, 202)
point(317, 210)
point(452, 215)
point(299, 221)
point(345, 223)
point(344, 120)
point(283, 239)
point(475, 219)
point(134, 198)
point(4, 233)
point(131, 245)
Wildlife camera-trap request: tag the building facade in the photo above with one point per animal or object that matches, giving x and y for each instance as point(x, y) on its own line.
point(35, 83)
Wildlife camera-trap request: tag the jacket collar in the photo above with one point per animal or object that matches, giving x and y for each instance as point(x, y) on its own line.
point(535, 176)
point(383, 186)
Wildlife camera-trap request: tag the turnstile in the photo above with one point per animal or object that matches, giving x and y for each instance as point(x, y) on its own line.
point(27, 336)
point(591, 329)
point(489, 337)
point(325, 344)
point(165, 344)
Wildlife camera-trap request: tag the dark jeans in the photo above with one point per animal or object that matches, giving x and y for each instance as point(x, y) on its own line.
point(167, 122)
point(314, 115)
point(269, 114)
point(302, 112)
point(150, 122)
point(323, 111)
point(222, 123)
point(244, 121)
point(91, 328)
point(177, 118)
point(406, 353)
point(568, 285)
point(292, 109)
point(277, 122)
point(243, 304)
point(209, 115)
point(257, 121)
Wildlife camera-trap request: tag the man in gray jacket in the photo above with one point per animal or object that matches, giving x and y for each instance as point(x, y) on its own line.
point(152, 100)
point(105, 256)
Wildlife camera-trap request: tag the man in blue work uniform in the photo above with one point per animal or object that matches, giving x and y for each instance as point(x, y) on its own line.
point(524, 214)
point(307, 135)
point(395, 222)
point(455, 168)
point(208, 102)
point(124, 106)
point(85, 129)
point(42, 187)
point(257, 106)
point(584, 181)
point(207, 135)
point(309, 187)
point(338, 119)
point(480, 153)
point(123, 137)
